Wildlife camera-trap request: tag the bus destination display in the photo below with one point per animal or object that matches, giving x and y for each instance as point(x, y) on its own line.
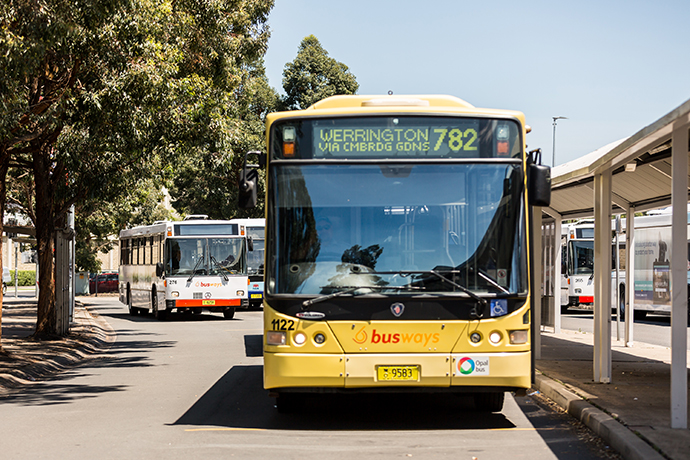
point(459, 139)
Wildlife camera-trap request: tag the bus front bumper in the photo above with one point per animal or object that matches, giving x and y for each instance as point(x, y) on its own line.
point(468, 371)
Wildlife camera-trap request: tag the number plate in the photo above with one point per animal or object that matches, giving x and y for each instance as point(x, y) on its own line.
point(208, 302)
point(255, 296)
point(397, 373)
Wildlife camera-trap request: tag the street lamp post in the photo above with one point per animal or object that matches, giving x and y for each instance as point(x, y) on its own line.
point(555, 119)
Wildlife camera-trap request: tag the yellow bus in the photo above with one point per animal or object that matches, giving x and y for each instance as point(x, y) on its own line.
point(397, 248)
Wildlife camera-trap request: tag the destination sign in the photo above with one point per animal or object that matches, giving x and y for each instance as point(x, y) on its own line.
point(460, 139)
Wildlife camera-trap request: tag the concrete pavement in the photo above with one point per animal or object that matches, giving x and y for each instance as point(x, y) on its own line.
point(23, 361)
point(632, 413)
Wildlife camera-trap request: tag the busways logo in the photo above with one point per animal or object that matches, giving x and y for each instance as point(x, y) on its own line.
point(478, 365)
point(205, 285)
point(420, 338)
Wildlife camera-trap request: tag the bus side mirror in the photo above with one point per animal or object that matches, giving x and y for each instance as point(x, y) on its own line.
point(249, 181)
point(159, 269)
point(250, 244)
point(538, 180)
point(539, 185)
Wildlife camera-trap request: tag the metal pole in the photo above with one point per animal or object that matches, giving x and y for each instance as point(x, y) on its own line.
point(555, 119)
point(679, 273)
point(618, 274)
point(16, 269)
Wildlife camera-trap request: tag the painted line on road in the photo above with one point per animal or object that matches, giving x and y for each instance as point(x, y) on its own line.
point(527, 429)
point(226, 429)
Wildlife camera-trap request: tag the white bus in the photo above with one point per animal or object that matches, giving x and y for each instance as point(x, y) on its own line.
point(253, 229)
point(577, 266)
point(652, 265)
point(189, 265)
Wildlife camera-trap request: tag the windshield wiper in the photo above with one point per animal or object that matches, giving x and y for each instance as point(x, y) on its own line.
point(223, 269)
point(349, 289)
point(492, 281)
point(475, 313)
point(189, 280)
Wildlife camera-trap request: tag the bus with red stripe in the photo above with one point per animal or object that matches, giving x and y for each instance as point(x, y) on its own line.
point(187, 266)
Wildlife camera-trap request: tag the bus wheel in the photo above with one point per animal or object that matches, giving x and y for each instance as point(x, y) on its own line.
point(489, 402)
point(159, 314)
point(621, 303)
point(229, 313)
point(132, 311)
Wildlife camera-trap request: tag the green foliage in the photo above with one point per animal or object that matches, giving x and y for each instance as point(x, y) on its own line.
point(97, 223)
point(313, 76)
point(98, 100)
point(26, 278)
point(206, 179)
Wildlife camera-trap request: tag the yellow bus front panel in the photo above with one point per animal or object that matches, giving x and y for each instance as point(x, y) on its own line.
point(303, 370)
point(492, 369)
point(411, 369)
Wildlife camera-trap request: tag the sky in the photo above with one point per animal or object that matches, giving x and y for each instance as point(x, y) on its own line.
point(611, 67)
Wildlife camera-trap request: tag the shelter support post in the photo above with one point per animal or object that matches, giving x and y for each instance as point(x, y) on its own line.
point(679, 270)
point(629, 274)
point(557, 273)
point(602, 276)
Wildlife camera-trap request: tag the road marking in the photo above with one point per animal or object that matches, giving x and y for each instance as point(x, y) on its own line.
point(526, 429)
point(226, 429)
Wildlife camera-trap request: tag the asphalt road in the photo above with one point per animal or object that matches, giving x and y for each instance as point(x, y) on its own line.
point(191, 387)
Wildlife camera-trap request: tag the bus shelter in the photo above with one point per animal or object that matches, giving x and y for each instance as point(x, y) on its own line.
point(645, 171)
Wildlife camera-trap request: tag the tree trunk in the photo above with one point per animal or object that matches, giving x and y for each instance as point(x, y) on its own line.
point(46, 322)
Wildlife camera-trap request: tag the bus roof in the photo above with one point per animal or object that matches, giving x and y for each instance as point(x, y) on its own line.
point(161, 226)
point(399, 104)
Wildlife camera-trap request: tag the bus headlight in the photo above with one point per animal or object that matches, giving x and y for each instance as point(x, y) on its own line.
point(495, 337)
point(299, 338)
point(275, 338)
point(475, 337)
point(518, 337)
point(240, 293)
point(174, 294)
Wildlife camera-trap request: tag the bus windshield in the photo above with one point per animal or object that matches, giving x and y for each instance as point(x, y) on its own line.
point(255, 258)
point(582, 257)
point(205, 256)
point(388, 226)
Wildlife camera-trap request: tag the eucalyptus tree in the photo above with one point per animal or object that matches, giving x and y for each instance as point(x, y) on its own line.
point(100, 96)
point(313, 75)
point(205, 182)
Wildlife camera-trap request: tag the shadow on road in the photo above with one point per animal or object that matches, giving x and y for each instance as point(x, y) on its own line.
point(238, 400)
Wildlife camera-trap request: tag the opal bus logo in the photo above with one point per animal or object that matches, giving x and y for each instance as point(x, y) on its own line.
point(477, 365)
point(466, 366)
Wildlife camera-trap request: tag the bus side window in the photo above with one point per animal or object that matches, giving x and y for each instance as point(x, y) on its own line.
point(564, 260)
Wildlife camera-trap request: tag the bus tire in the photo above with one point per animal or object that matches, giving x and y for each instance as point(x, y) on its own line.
point(229, 313)
point(132, 311)
point(489, 402)
point(621, 302)
point(160, 315)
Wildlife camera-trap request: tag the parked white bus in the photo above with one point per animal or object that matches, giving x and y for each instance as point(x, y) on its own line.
point(577, 266)
point(652, 265)
point(253, 229)
point(190, 265)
